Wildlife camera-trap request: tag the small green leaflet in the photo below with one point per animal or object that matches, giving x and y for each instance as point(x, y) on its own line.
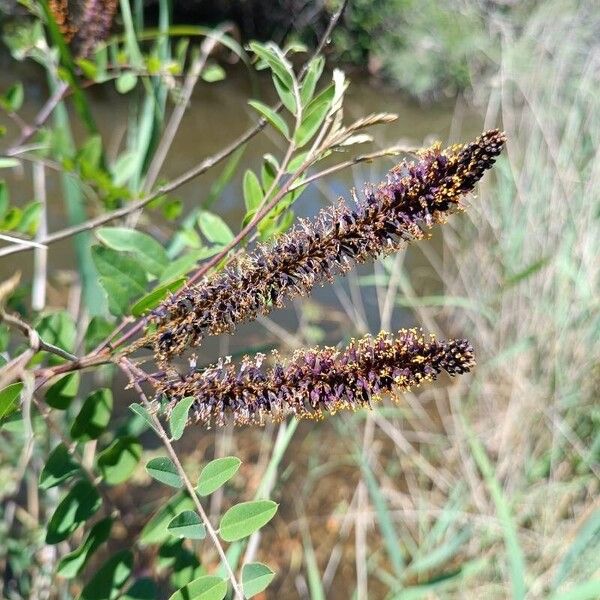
point(271, 116)
point(155, 297)
point(164, 470)
point(255, 578)
point(58, 468)
point(216, 473)
point(9, 399)
point(122, 277)
point(142, 412)
point(187, 525)
point(203, 588)
point(94, 416)
point(60, 394)
point(213, 228)
point(179, 417)
point(146, 249)
point(155, 531)
point(119, 460)
point(245, 518)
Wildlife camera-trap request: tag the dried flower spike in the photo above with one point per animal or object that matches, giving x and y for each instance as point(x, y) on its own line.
point(84, 24)
point(317, 381)
point(416, 196)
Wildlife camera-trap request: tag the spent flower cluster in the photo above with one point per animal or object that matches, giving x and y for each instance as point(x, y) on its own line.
point(317, 381)
point(415, 196)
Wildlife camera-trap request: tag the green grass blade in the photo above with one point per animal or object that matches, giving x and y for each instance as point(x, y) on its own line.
point(516, 561)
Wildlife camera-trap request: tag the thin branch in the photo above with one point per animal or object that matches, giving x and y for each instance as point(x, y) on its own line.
point(392, 151)
point(35, 341)
point(41, 117)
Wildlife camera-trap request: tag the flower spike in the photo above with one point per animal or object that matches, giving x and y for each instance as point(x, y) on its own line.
point(415, 196)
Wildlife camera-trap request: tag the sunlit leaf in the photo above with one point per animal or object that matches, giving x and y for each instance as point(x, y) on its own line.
point(187, 525)
point(216, 473)
point(60, 394)
point(126, 82)
point(245, 518)
point(255, 578)
point(213, 228)
point(117, 462)
point(150, 253)
point(155, 531)
point(155, 297)
point(179, 416)
point(164, 470)
point(271, 116)
point(203, 588)
point(9, 399)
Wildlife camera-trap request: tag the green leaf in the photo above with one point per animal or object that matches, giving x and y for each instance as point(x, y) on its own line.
point(9, 399)
point(71, 564)
point(271, 116)
point(88, 68)
point(142, 412)
point(216, 473)
point(213, 228)
point(179, 417)
point(117, 462)
point(59, 329)
point(59, 467)
point(203, 588)
point(9, 163)
point(12, 99)
point(213, 73)
point(313, 74)
point(164, 470)
point(286, 95)
point(122, 278)
point(126, 82)
point(187, 525)
point(155, 297)
point(151, 254)
point(316, 112)
point(245, 518)
point(94, 416)
point(155, 531)
point(4, 198)
point(276, 61)
point(255, 578)
point(124, 167)
point(253, 194)
point(142, 589)
point(80, 503)
point(60, 394)
point(110, 578)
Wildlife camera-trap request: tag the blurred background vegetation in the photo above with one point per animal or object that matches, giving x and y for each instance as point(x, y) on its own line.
point(486, 488)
